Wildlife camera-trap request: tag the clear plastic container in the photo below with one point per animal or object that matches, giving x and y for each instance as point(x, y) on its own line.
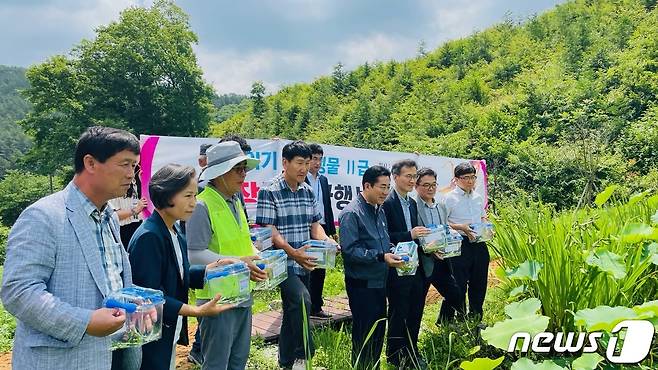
point(275, 264)
point(325, 253)
point(484, 231)
point(261, 237)
point(435, 240)
point(230, 281)
point(143, 308)
point(409, 253)
point(453, 247)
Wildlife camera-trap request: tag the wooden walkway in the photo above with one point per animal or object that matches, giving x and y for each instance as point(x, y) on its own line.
point(268, 324)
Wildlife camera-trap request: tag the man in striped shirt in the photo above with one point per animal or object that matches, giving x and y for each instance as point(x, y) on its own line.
point(288, 207)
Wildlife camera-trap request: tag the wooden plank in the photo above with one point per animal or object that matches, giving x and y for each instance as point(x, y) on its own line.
point(268, 324)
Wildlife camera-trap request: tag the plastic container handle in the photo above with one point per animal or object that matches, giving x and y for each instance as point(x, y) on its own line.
point(260, 265)
point(405, 258)
point(217, 274)
point(113, 303)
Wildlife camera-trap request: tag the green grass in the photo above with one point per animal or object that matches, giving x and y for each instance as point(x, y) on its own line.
point(443, 347)
point(568, 244)
point(266, 300)
point(334, 285)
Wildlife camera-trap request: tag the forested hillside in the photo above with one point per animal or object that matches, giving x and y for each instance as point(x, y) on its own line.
point(13, 107)
point(559, 105)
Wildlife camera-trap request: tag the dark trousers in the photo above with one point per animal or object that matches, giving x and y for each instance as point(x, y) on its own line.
point(470, 271)
point(196, 346)
point(126, 359)
point(406, 300)
point(453, 297)
point(317, 284)
point(294, 293)
point(368, 305)
point(315, 289)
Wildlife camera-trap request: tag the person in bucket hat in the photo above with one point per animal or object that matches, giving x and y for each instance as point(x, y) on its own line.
point(222, 157)
point(218, 228)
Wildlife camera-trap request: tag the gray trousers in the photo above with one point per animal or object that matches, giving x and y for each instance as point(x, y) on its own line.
point(226, 339)
point(294, 290)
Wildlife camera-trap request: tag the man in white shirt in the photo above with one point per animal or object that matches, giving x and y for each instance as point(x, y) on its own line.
point(463, 206)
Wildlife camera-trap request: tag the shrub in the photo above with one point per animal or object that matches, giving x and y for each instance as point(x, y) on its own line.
point(20, 189)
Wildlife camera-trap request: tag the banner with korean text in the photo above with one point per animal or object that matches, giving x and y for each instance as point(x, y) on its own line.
point(343, 166)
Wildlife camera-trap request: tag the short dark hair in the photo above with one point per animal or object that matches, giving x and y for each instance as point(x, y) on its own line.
point(464, 168)
point(315, 149)
point(244, 145)
point(167, 182)
point(296, 149)
point(373, 173)
point(203, 148)
point(102, 143)
point(425, 171)
point(397, 166)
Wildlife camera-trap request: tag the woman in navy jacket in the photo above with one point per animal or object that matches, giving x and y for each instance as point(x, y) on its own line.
point(158, 256)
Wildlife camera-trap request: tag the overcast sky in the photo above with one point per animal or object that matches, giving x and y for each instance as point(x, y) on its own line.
point(279, 42)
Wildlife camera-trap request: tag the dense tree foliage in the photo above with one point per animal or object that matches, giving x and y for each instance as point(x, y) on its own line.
point(13, 142)
point(20, 189)
point(559, 105)
point(139, 73)
point(228, 105)
point(227, 99)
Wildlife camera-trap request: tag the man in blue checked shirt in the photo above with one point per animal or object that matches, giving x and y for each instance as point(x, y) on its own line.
point(64, 256)
point(288, 207)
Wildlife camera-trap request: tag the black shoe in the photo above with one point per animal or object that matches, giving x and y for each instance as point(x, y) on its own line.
point(195, 357)
point(321, 315)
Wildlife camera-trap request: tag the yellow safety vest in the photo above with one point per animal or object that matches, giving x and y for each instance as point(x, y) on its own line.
point(228, 238)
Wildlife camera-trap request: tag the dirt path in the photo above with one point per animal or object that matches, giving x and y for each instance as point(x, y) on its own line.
point(181, 354)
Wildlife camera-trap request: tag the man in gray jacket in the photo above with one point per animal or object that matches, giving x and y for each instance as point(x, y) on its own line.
point(365, 248)
point(438, 271)
point(64, 255)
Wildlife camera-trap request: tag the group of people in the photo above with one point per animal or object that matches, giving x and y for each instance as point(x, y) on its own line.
point(384, 215)
point(65, 255)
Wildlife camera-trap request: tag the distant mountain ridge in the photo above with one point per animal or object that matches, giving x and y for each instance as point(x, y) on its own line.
point(558, 105)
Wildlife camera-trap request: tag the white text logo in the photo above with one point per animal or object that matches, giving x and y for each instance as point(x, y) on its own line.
point(635, 348)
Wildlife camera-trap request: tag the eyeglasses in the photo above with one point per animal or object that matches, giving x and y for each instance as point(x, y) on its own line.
point(428, 185)
point(239, 169)
point(383, 187)
point(411, 176)
point(316, 158)
point(468, 178)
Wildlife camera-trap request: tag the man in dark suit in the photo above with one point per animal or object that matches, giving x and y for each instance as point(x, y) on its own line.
point(320, 186)
point(406, 298)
